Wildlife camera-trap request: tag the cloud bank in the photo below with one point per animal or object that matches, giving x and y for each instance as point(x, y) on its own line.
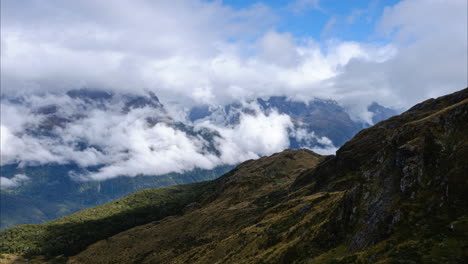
point(139, 141)
point(209, 52)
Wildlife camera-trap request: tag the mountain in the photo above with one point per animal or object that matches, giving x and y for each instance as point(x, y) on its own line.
point(380, 113)
point(51, 190)
point(394, 193)
point(324, 118)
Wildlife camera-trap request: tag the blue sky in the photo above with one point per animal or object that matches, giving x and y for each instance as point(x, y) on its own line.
point(347, 20)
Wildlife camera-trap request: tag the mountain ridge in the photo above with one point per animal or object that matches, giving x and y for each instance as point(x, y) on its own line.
point(52, 191)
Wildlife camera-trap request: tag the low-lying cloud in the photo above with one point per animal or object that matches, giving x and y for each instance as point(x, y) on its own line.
point(142, 141)
point(321, 145)
point(16, 181)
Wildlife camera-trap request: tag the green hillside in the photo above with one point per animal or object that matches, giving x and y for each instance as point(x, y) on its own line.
point(50, 193)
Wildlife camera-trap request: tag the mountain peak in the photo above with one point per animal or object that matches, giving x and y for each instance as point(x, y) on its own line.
point(141, 101)
point(90, 94)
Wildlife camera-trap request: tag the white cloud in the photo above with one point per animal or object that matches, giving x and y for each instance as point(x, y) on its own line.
point(429, 58)
point(25, 149)
point(66, 44)
point(327, 150)
point(322, 145)
point(255, 136)
point(279, 49)
point(163, 149)
point(155, 151)
point(212, 53)
point(125, 143)
point(17, 180)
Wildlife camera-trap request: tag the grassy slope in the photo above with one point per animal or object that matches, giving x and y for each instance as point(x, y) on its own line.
point(69, 235)
point(51, 194)
point(249, 200)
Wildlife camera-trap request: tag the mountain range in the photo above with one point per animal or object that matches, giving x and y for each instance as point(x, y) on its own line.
point(51, 190)
point(394, 193)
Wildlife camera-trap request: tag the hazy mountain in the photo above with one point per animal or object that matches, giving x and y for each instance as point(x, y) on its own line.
point(324, 118)
point(395, 193)
point(380, 113)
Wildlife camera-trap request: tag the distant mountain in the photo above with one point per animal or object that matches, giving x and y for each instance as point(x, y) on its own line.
point(395, 193)
point(52, 192)
point(380, 112)
point(325, 118)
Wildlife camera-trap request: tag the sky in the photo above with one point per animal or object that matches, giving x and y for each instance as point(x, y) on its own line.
point(346, 20)
point(190, 52)
point(394, 52)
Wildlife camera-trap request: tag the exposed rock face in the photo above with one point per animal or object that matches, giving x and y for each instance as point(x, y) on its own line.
point(143, 101)
point(395, 193)
point(87, 94)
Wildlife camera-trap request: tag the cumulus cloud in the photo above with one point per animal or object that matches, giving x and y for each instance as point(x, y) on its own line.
point(209, 52)
point(17, 180)
point(429, 42)
point(255, 135)
point(63, 44)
